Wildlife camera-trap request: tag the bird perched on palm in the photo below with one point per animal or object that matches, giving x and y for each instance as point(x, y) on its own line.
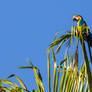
point(84, 30)
point(82, 26)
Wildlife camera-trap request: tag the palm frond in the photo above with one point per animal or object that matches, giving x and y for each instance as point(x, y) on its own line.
point(37, 77)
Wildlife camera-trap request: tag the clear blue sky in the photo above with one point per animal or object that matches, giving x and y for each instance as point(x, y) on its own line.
point(26, 29)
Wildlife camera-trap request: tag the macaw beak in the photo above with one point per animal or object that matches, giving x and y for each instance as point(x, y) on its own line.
point(75, 18)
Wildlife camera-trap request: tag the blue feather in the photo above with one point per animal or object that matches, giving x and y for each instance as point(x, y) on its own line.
point(81, 22)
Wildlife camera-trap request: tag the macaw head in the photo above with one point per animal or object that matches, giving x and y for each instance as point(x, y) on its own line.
point(77, 18)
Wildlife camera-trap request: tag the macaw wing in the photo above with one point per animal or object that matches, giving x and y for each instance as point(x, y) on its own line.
point(82, 22)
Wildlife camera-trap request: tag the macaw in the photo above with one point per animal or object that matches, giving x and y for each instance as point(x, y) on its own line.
point(81, 25)
point(84, 29)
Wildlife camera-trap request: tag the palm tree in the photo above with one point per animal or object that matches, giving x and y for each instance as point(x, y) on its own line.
point(73, 79)
point(67, 76)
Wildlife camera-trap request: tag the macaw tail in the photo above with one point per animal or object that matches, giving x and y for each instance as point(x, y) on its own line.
point(89, 41)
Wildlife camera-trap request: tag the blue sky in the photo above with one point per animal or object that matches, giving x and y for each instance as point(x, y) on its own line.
point(27, 27)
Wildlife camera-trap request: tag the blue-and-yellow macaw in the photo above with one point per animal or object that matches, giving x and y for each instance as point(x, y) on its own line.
point(84, 29)
point(82, 26)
